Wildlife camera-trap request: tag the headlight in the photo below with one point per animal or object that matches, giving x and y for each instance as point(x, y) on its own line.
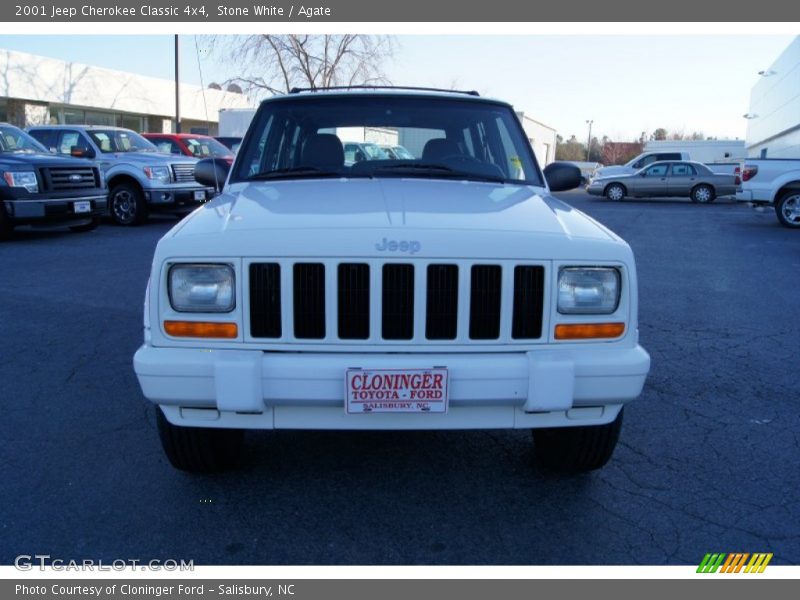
point(588, 290)
point(158, 173)
point(26, 179)
point(201, 288)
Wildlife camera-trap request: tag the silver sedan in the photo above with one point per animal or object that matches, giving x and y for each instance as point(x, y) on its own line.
point(667, 178)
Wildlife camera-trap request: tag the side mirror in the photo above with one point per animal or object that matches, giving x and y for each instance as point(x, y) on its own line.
point(81, 152)
point(212, 172)
point(562, 176)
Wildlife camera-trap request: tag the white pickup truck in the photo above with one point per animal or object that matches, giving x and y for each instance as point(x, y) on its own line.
point(773, 181)
point(449, 290)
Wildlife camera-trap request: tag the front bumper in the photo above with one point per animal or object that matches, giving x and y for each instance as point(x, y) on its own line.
point(177, 197)
point(594, 189)
point(581, 385)
point(53, 209)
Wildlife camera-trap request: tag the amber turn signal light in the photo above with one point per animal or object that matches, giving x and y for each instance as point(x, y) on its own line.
point(588, 331)
point(201, 329)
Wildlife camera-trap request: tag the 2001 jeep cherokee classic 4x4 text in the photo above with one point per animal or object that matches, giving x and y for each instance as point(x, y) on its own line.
point(451, 291)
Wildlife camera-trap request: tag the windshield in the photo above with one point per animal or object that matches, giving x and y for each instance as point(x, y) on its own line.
point(203, 147)
point(435, 137)
point(13, 139)
point(120, 140)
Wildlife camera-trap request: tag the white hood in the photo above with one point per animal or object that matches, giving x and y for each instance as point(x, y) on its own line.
point(349, 217)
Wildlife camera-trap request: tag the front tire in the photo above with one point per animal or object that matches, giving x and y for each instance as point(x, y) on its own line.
point(199, 449)
point(615, 192)
point(576, 449)
point(787, 209)
point(6, 227)
point(703, 194)
point(126, 205)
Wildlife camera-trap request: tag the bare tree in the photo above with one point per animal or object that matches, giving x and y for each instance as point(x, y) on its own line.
point(277, 63)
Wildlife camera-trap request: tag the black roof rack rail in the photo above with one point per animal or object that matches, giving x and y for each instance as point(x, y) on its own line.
point(297, 90)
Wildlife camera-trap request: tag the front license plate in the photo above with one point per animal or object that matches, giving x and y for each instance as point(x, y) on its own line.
point(396, 390)
point(82, 207)
point(201, 195)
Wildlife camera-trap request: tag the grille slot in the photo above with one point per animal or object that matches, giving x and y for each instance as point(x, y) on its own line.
point(353, 295)
point(265, 300)
point(398, 302)
point(183, 173)
point(441, 319)
point(528, 302)
point(484, 309)
point(69, 178)
point(309, 300)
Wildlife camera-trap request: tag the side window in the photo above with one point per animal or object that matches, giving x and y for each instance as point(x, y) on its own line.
point(680, 170)
point(350, 153)
point(690, 170)
point(650, 158)
point(67, 140)
point(669, 156)
point(657, 171)
point(46, 137)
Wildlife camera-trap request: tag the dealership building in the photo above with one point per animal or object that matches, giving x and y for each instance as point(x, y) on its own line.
point(773, 127)
point(35, 90)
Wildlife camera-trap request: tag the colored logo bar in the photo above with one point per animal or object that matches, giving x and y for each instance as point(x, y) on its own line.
point(734, 562)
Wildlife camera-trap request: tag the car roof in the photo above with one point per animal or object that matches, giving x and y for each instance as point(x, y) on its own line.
point(383, 91)
point(86, 127)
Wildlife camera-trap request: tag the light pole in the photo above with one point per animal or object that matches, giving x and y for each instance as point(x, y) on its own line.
point(177, 91)
point(589, 141)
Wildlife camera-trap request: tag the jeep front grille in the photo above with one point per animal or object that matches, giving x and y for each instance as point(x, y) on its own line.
point(413, 301)
point(183, 173)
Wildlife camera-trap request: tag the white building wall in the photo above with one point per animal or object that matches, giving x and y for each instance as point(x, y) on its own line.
point(52, 81)
point(774, 124)
point(541, 137)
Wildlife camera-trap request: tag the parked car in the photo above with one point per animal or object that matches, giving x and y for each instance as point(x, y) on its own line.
point(232, 143)
point(639, 162)
point(140, 178)
point(397, 152)
point(450, 291)
point(773, 181)
point(673, 179)
point(355, 152)
point(190, 144)
point(40, 188)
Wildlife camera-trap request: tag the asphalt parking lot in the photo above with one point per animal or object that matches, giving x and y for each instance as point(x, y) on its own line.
point(707, 462)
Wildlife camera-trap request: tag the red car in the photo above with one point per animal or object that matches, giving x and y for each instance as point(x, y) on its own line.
point(190, 144)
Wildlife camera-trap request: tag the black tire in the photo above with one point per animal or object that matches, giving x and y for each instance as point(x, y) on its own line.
point(126, 204)
point(95, 221)
point(615, 192)
point(576, 449)
point(199, 449)
point(787, 209)
point(6, 227)
point(703, 194)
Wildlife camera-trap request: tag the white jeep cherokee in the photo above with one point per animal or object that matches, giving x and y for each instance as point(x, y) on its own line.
point(451, 291)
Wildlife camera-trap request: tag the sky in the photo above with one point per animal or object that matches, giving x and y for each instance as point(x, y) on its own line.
point(625, 84)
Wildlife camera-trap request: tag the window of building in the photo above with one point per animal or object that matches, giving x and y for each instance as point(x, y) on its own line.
point(3, 110)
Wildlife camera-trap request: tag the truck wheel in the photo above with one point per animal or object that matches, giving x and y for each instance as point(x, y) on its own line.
point(126, 205)
point(6, 228)
point(615, 192)
point(199, 449)
point(576, 449)
point(703, 194)
point(788, 209)
point(86, 226)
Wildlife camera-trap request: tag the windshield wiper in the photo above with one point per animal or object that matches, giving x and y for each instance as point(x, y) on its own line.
point(435, 170)
point(293, 173)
